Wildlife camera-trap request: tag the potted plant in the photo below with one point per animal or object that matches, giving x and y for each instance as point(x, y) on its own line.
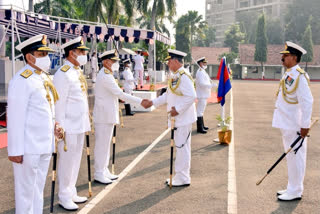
point(224, 133)
point(152, 86)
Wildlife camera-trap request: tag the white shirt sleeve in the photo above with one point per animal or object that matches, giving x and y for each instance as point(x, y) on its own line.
point(160, 100)
point(62, 85)
point(111, 85)
point(18, 97)
point(305, 101)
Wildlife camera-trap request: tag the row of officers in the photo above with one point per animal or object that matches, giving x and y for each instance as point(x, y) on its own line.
point(43, 112)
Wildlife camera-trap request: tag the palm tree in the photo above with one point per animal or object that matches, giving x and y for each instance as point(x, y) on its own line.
point(144, 21)
point(64, 8)
point(196, 25)
point(160, 9)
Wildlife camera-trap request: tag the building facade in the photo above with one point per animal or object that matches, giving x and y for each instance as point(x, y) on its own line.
point(223, 13)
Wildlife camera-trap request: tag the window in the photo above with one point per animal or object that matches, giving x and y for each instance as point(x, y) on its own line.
point(209, 6)
point(244, 4)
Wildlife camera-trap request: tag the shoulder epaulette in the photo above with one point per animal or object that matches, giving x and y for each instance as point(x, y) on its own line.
point(65, 68)
point(27, 73)
point(181, 72)
point(107, 71)
point(301, 71)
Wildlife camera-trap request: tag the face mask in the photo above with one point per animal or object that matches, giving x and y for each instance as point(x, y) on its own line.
point(115, 66)
point(43, 63)
point(204, 67)
point(129, 65)
point(82, 59)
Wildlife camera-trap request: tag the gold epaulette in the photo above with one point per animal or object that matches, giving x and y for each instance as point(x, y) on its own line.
point(181, 72)
point(27, 73)
point(301, 71)
point(65, 68)
point(107, 71)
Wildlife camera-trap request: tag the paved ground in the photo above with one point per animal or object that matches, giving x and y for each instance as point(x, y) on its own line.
point(257, 146)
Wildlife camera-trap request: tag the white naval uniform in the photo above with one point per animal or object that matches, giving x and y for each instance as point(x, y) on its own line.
point(138, 68)
point(30, 134)
point(185, 106)
point(72, 112)
point(290, 118)
point(106, 115)
point(94, 67)
point(203, 89)
point(128, 84)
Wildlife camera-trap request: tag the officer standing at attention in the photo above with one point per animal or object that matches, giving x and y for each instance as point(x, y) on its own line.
point(106, 114)
point(31, 124)
point(293, 114)
point(72, 112)
point(203, 88)
point(128, 83)
point(180, 99)
point(138, 67)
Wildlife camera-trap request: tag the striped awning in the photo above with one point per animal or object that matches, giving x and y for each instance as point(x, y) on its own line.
point(33, 24)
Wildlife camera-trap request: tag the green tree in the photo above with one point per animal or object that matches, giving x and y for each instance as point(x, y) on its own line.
point(188, 27)
point(230, 57)
point(144, 21)
point(64, 8)
point(233, 37)
point(183, 35)
point(197, 26)
point(297, 18)
point(308, 46)
point(274, 31)
point(248, 25)
point(260, 53)
point(160, 9)
point(205, 39)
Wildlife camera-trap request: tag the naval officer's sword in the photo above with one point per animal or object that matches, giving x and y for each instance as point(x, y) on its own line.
point(284, 154)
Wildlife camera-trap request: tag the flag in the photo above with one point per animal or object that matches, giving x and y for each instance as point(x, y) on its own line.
point(224, 81)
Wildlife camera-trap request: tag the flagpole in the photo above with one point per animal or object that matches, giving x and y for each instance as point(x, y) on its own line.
point(222, 107)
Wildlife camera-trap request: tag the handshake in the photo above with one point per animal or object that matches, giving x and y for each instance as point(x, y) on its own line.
point(146, 103)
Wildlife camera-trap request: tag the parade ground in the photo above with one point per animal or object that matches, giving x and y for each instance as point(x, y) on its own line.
point(223, 177)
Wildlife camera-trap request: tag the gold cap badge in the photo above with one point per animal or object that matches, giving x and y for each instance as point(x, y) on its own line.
point(44, 40)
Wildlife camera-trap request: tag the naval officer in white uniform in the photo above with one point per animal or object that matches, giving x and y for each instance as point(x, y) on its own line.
point(106, 114)
point(180, 99)
point(128, 84)
point(72, 112)
point(31, 125)
point(293, 114)
point(203, 88)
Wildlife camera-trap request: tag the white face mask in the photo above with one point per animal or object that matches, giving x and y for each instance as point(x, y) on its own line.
point(204, 67)
point(43, 63)
point(129, 65)
point(115, 66)
point(82, 59)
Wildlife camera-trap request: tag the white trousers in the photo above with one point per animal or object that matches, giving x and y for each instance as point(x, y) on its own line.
point(69, 165)
point(103, 135)
point(29, 181)
point(140, 72)
point(182, 139)
point(201, 107)
point(296, 162)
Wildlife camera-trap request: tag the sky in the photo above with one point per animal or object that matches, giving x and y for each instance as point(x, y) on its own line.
point(183, 6)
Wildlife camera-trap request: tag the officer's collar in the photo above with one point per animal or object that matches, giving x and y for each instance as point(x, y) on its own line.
point(292, 68)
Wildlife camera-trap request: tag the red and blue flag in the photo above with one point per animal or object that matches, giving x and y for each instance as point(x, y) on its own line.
point(224, 81)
